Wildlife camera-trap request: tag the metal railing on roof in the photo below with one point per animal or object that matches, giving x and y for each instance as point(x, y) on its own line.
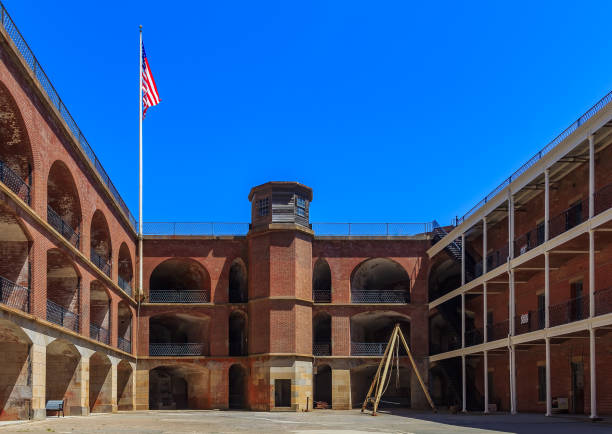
point(545, 150)
point(28, 56)
point(320, 229)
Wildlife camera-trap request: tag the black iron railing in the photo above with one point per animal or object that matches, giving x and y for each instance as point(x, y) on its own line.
point(572, 310)
point(529, 241)
point(321, 349)
point(321, 296)
point(361, 296)
point(14, 295)
point(603, 199)
point(195, 228)
point(569, 218)
point(170, 349)
point(603, 301)
point(529, 321)
point(101, 262)
point(98, 333)
point(368, 348)
point(125, 285)
point(28, 56)
point(58, 223)
point(124, 344)
point(179, 296)
point(60, 315)
point(15, 183)
point(569, 130)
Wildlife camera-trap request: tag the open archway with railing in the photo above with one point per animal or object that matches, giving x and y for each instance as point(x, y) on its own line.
point(63, 291)
point(100, 243)
point(16, 162)
point(370, 331)
point(63, 203)
point(178, 334)
point(124, 326)
point(14, 262)
point(321, 334)
point(99, 312)
point(321, 282)
point(125, 269)
point(380, 280)
point(179, 280)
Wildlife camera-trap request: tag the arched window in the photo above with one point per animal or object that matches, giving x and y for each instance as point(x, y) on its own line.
point(238, 282)
point(321, 282)
point(179, 280)
point(16, 163)
point(380, 280)
point(63, 204)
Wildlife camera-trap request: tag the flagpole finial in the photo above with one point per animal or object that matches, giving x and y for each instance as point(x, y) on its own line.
point(140, 27)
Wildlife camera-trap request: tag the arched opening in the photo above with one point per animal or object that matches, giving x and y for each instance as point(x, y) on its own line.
point(238, 282)
point(100, 384)
point(444, 276)
point(124, 327)
point(125, 269)
point(100, 243)
point(380, 280)
point(63, 290)
point(238, 334)
point(99, 312)
point(177, 388)
point(397, 393)
point(321, 282)
point(321, 334)
point(16, 162)
point(237, 387)
point(178, 334)
point(125, 386)
point(63, 204)
point(15, 262)
point(62, 380)
point(370, 332)
point(15, 382)
point(323, 386)
point(179, 281)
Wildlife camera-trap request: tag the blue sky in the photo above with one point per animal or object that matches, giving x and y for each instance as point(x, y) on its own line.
point(391, 111)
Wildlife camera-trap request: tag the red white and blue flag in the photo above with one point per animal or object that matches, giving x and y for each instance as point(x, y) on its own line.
point(150, 96)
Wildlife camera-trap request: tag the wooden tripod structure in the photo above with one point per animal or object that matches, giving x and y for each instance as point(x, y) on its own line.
point(377, 388)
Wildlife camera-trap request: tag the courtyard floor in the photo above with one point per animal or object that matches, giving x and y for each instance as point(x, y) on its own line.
point(317, 422)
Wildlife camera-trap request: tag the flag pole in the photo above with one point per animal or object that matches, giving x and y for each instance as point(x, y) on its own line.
point(140, 174)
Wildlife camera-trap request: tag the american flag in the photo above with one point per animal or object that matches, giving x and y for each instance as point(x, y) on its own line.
point(150, 97)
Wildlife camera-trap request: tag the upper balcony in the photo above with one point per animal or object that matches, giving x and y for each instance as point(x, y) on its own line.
point(179, 280)
point(380, 280)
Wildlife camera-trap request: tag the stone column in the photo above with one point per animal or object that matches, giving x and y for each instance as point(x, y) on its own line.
point(341, 389)
point(141, 388)
point(38, 359)
point(81, 383)
point(114, 398)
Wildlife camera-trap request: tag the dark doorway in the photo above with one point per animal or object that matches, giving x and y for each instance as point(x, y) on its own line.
point(282, 393)
point(577, 388)
point(237, 391)
point(167, 390)
point(323, 385)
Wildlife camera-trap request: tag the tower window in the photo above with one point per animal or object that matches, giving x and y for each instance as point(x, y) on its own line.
point(300, 206)
point(263, 207)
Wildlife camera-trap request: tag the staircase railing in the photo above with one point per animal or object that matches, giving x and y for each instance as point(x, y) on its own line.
point(15, 183)
point(14, 295)
point(58, 223)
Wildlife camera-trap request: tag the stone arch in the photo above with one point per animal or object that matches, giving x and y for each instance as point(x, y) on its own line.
point(238, 282)
point(176, 387)
point(63, 376)
point(179, 334)
point(237, 331)
point(63, 290)
point(100, 242)
point(15, 247)
point(321, 282)
point(125, 269)
point(322, 385)
point(100, 383)
point(124, 326)
point(237, 386)
point(322, 334)
point(397, 394)
point(179, 280)
point(63, 203)
point(444, 276)
point(371, 330)
point(380, 280)
point(15, 383)
point(125, 386)
point(99, 312)
point(16, 159)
